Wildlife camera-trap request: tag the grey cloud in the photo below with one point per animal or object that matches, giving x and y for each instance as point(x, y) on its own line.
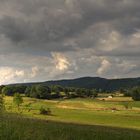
point(86, 32)
point(52, 21)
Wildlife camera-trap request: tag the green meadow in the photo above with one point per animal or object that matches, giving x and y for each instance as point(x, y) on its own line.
point(72, 119)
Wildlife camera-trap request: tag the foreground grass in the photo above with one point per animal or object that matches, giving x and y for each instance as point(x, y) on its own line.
point(15, 127)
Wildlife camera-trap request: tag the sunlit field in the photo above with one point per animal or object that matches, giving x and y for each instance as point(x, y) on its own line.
point(107, 112)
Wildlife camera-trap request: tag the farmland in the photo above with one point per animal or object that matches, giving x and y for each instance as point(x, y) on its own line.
point(83, 111)
point(96, 118)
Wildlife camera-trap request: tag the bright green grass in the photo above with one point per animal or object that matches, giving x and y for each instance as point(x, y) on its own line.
point(83, 111)
point(14, 127)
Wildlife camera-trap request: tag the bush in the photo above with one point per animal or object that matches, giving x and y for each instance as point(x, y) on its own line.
point(43, 111)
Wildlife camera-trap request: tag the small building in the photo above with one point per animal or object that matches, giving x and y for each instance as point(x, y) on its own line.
point(110, 97)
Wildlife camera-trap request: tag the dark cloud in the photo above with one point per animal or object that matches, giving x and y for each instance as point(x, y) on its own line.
point(47, 21)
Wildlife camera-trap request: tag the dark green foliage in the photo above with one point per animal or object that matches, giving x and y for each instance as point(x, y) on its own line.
point(93, 93)
point(40, 91)
point(56, 88)
point(55, 95)
point(43, 111)
point(8, 90)
point(28, 91)
point(20, 89)
point(12, 89)
point(136, 93)
point(127, 93)
point(66, 91)
point(53, 92)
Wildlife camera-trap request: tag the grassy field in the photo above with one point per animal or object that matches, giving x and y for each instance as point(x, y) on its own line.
point(79, 119)
point(18, 128)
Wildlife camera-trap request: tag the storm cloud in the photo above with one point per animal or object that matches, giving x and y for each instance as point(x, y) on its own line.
point(56, 39)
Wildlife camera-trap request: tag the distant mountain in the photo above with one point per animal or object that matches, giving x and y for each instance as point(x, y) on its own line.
point(95, 82)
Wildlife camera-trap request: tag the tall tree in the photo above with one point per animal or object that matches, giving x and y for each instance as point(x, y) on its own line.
point(18, 100)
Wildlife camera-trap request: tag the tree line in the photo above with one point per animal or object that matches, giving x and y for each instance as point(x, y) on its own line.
point(41, 91)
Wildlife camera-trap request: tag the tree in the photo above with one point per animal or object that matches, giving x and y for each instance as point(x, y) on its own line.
point(28, 91)
point(18, 100)
point(19, 89)
point(10, 90)
point(7, 90)
point(43, 91)
point(40, 92)
point(2, 107)
point(79, 92)
point(66, 91)
point(94, 93)
point(136, 93)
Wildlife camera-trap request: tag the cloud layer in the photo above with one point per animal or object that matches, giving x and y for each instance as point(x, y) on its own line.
point(55, 39)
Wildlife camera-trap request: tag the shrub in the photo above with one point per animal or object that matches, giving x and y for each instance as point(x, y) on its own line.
point(43, 111)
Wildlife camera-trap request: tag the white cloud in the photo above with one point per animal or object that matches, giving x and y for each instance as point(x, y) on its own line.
point(61, 62)
point(34, 71)
point(19, 73)
point(105, 66)
point(9, 75)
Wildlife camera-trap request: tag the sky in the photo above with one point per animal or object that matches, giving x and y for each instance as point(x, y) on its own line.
point(44, 40)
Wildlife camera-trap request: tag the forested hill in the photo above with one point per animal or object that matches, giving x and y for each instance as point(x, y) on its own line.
point(95, 82)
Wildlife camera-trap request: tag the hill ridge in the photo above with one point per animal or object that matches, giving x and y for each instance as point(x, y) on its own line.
point(92, 82)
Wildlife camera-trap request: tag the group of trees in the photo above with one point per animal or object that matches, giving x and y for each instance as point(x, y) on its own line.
point(48, 92)
point(11, 89)
point(38, 91)
point(133, 92)
point(42, 91)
